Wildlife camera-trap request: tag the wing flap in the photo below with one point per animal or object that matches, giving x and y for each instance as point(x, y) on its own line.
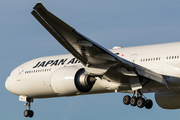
point(151, 75)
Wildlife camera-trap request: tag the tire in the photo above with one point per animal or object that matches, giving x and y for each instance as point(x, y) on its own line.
point(126, 99)
point(148, 104)
point(26, 113)
point(140, 102)
point(133, 101)
point(31, 113)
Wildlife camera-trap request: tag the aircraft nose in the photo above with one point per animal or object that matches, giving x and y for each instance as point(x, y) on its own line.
point(7, 84)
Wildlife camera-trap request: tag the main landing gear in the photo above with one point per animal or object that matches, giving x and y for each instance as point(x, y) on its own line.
point(138, 100)
point(28, 112)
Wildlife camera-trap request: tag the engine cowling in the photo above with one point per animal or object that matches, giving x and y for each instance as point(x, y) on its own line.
point(69, 81)
point(168, 100)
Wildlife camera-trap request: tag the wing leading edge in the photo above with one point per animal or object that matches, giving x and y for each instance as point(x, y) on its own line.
point(87, 51)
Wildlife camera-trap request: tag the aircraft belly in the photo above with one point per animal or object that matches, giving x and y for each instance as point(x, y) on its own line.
point(116, 77)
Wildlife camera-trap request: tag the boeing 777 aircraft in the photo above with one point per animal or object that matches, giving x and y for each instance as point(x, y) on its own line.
point(92, 69)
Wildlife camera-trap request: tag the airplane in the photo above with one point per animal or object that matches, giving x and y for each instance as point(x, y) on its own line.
point(93, 69)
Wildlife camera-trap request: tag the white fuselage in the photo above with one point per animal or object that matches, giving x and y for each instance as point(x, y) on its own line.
point(33, 78)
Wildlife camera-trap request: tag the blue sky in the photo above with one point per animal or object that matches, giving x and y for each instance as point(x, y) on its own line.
point(109, 23)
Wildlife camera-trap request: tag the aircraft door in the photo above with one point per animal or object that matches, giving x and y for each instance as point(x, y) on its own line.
point(20, 73)
point(133, 57)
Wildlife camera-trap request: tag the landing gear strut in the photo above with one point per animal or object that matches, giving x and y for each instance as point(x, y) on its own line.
point(138, 100)
point(28, 112)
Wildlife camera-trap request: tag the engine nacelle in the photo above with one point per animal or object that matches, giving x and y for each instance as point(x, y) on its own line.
point(69, 81)
point(168, 100)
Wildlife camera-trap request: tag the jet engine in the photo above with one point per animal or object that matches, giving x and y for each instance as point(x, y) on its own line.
point(69, 81)
point(168, 100)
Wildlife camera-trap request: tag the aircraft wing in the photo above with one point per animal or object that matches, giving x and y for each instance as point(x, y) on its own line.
point(87, 51)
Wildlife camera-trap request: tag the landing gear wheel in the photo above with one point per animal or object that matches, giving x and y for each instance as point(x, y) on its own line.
point(133, 101)
point(26, 113)
point(138, 99)
point(140, 102)
point(126, 99)
point(31, 113)
point(148, 104)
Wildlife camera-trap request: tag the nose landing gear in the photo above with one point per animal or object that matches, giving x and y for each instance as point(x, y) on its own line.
point(138, 101)
point(28, 112)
